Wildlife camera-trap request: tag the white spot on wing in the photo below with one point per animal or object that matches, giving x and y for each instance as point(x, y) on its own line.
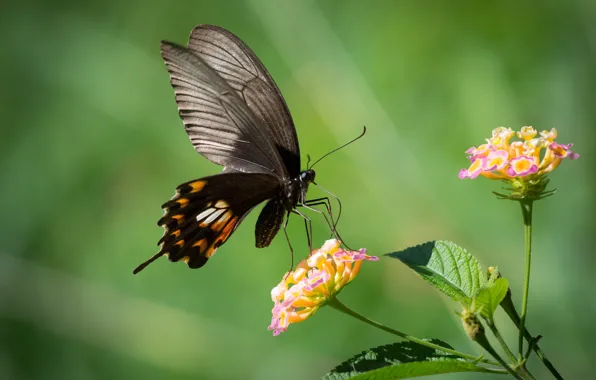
point(222, 204)
point(213, 216)
point(204, 214)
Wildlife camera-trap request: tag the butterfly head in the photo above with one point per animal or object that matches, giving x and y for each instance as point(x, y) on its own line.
point(307, 176)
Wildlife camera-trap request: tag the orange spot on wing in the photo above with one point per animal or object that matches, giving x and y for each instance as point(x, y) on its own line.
point(221, 221)
point(186, 259)
point(179, 243)
point(183, 202)
point(197, 186)
point(202, 244)
point(222, 237)
point(176, 233)
point(210, 252)
point(179, 218)
point(225, 233)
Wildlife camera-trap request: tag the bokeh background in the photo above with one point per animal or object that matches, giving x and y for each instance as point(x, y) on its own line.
point(91, 146)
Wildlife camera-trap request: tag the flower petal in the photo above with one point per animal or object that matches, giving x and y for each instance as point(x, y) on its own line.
point(527, 133)
point(496, 160)
point(549, 136)
point(476, 167)
point(563, 150)
point(330, 246)
point(522, 166)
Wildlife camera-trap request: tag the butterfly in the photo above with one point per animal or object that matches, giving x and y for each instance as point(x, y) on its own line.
point(235, 116)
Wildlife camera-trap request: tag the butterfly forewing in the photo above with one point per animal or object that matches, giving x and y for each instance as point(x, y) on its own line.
point(236, 63)
point(218, 122)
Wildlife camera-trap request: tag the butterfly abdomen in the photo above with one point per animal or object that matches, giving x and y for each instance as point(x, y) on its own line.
point(269, 222)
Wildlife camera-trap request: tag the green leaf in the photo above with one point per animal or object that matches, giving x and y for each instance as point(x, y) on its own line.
point(489, 297)
point(446, 266)
point(401, 361)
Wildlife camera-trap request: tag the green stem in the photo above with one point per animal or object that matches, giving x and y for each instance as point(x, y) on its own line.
point(493, 327)
point(336, 304)
point(501, 341)
point(484, 343)
point(526, 206)
point(509, 308)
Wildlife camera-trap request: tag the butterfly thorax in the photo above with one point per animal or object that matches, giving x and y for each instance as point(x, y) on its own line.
point(295, 189)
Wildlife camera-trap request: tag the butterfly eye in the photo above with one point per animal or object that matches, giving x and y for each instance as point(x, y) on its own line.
point(307, 175)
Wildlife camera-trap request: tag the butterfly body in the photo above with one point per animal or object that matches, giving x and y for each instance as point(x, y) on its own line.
point(295, 188)
point(235, 116)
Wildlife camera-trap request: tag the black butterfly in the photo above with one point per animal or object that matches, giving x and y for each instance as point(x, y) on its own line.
point(235, 116)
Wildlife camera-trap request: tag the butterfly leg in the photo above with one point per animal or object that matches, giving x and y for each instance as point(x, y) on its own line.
point(334, 197)
point(327, 203)
point(307, 225)
point(288, 240)
point(308, 235)
point(308, 205)
point(324, 201)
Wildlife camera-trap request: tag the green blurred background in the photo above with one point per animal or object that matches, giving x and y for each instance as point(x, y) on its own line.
point(92, 145)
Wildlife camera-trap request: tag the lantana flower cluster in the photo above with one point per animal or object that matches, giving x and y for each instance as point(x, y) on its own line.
point(501, 159)
point(315, 281)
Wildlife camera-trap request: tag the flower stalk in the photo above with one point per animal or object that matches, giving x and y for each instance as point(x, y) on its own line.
point(509, 307)
point(337, 305)
point(475, 331)
point(526, 207)
point(493, 328)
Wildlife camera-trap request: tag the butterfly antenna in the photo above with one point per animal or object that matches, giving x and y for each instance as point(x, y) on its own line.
point(341, 147)
point(152, 259)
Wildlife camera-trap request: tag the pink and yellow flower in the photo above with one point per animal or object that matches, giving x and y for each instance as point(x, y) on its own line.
point(315, 281)
point(526, 159)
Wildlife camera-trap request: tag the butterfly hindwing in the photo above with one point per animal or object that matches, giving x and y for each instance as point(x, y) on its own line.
point(205, 212)
point(198, 240)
